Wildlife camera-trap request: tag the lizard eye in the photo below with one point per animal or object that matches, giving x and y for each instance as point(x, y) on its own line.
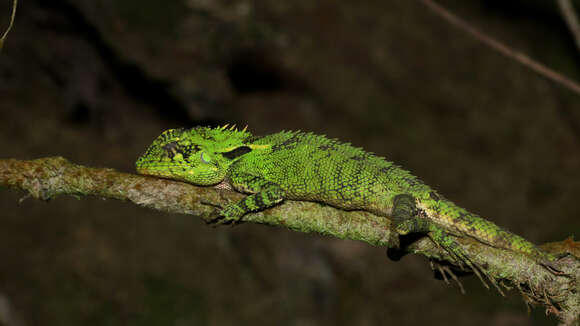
point(205, 158)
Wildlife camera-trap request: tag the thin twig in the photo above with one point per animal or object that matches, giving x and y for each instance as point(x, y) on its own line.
point(502, 48)
point(14, 4)
point(571, 20)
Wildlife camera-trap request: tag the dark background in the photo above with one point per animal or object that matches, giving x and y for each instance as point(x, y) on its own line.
point(97, 81)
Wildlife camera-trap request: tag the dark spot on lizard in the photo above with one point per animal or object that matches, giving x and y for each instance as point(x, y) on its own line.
point(170, 149)
point(325, 147)
point(173, 148)
point(172, 133)
point(205, 134)
point(170, 146)
point(421, 213)
point(237, 152)
point(411, 181)
point(388, 169)
point(358, 158)
point(434, 196)
point(466, 218)
point(289, 143)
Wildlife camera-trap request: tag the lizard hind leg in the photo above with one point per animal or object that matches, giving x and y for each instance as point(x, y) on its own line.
point(407, 220)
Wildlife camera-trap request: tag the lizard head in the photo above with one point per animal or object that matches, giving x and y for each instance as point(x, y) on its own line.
point(200, 156)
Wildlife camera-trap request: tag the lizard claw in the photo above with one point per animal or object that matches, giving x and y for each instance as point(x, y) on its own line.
point(441, 272)
point(228, 214)
point(209, 203)
point(442, 239)
point(218, 218)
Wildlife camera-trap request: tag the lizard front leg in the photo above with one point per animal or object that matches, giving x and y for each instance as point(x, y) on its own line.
point(265, 194)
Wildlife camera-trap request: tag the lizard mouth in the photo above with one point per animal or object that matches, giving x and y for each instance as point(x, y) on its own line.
point(153, 172)
point(149, 172)
point(143, 171)
point(158, 174)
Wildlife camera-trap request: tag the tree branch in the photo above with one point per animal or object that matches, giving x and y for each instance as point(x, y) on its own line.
point(49, 177)
point(571, 19)
point(503, 49)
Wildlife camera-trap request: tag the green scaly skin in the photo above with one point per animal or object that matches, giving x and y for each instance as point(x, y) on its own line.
point(303, 166)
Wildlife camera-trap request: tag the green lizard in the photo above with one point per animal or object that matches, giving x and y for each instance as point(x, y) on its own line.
point(303, 166)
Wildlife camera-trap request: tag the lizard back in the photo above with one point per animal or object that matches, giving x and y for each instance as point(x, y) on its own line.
point(316, 168)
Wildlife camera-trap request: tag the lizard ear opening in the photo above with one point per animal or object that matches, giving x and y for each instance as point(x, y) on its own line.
point(236, 152)
point(205, 158)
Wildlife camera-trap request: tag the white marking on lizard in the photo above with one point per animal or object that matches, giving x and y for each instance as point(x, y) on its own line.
point(223, 185)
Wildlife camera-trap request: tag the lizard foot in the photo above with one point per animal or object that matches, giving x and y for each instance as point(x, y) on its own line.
point(231, 214)
point(444, 240)
point(227, 214)
point(216, 217)
point(447, 243)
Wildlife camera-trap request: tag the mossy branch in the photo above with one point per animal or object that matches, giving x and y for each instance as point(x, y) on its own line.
point(49, 177)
